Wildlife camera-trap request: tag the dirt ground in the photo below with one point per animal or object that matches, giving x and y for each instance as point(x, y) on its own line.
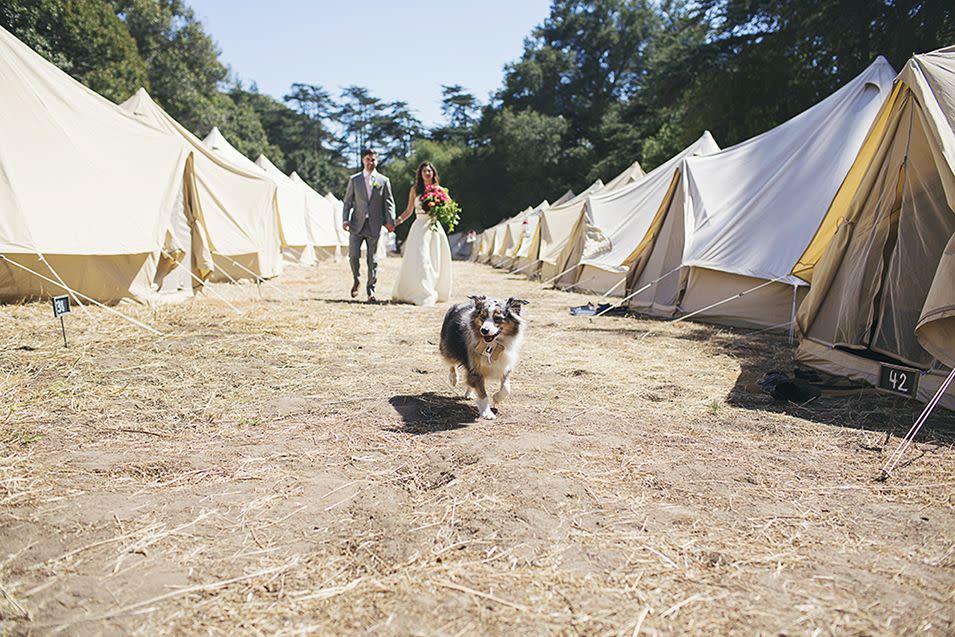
point(303, 468)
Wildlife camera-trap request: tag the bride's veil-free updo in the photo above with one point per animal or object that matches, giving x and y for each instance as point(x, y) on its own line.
point(419, 180)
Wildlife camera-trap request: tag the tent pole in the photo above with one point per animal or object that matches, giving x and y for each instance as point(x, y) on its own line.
point(89, 299)
point(616, 285)
point(230, 277)
point(766, 329)
point(554, 278)
point(727, 300)
point(633, 294)
point(572, 286)
point(792, 317)
point(529, 265)
point(736, 296)
point(896, 456)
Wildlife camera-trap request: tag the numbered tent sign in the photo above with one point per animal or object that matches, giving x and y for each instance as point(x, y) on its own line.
point(898, 380)
point(61, 306)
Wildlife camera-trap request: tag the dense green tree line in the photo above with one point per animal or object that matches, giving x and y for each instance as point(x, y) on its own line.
point(600, 83)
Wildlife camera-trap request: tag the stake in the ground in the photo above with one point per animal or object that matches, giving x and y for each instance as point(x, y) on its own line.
point(61, 306)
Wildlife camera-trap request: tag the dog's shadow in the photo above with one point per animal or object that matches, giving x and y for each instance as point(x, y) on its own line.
point(349, 301)
point(429, 413)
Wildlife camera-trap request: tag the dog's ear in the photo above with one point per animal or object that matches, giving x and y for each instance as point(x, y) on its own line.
point(478, 300)
point(515, 305)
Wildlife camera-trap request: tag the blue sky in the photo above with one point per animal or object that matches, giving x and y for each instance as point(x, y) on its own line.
point(384, 46)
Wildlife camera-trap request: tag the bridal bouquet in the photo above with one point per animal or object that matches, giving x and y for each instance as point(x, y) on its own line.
point(440, 207)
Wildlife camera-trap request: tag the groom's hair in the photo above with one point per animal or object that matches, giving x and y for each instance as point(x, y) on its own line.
point(368, 151)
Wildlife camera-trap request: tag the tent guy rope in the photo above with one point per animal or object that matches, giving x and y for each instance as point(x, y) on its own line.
point(645, 287)
point(207, 287)
point(130, 319)
point(896, 456)
point(257, 278)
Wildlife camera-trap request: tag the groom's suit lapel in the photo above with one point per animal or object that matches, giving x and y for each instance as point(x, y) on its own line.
point(360, 187)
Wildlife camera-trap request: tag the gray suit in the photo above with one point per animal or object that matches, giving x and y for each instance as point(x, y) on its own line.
point(365, 216)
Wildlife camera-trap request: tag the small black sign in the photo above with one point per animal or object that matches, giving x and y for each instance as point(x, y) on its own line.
point(61, 305)
point(898, 380)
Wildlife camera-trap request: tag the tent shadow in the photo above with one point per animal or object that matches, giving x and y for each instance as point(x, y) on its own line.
point(429, 413)
point(760, 353)
point(859, 407)
point(649, 327)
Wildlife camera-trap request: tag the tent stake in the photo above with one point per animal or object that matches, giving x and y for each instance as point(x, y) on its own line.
point(896, 456)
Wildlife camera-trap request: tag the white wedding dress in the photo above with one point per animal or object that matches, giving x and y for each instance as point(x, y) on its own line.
point(425, 274)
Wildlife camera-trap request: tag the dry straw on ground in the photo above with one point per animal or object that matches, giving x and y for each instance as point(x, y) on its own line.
point(302, 468)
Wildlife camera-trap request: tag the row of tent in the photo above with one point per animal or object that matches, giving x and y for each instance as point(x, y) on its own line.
point(115, 202)
point(840, 221)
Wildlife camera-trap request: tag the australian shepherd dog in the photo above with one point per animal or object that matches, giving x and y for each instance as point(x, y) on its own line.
point(484, 338)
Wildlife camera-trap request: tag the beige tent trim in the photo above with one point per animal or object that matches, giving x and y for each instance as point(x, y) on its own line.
point(838, 210)
point(877, 287)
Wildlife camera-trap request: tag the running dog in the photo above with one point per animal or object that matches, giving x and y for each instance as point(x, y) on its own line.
point(484, 337)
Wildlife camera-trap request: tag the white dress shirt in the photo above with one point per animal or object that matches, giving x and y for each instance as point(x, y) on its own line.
point(369, 179)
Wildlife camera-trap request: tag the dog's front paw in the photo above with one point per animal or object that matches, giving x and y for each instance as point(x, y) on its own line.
point(484, 409)
point(468, 394)
point(500, 396)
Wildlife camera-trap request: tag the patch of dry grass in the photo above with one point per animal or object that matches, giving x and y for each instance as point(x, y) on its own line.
point(301, 468)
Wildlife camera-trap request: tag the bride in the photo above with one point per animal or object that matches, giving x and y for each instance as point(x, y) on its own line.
point(425, 274)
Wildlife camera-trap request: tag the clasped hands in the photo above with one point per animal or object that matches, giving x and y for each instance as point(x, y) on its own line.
point(389, 226)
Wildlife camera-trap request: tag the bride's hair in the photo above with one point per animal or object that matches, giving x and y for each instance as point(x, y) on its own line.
point(419, 180)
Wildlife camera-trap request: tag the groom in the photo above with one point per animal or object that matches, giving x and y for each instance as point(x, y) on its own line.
point(368, 205)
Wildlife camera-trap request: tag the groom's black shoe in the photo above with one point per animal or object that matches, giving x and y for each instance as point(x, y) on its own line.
point(354, 290)
point(372, 298)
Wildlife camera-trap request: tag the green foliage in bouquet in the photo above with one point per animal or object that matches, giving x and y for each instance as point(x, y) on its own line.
point(440, 208)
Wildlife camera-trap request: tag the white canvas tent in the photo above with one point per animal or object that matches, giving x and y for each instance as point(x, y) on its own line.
point(237, 207)
point(293, 213)
point(498, 256)
point(337, 207)
point(554, 229)
point(740, 218)
point(518, 233)
point(883, 284)
point(629, 175)
point(321, 220)
point(89, 196)
point(220, 146)
point(523, 259)
point(614, 223)
point(480, 246)
point(495, 236)
point(564, 198)
point(486, 244)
